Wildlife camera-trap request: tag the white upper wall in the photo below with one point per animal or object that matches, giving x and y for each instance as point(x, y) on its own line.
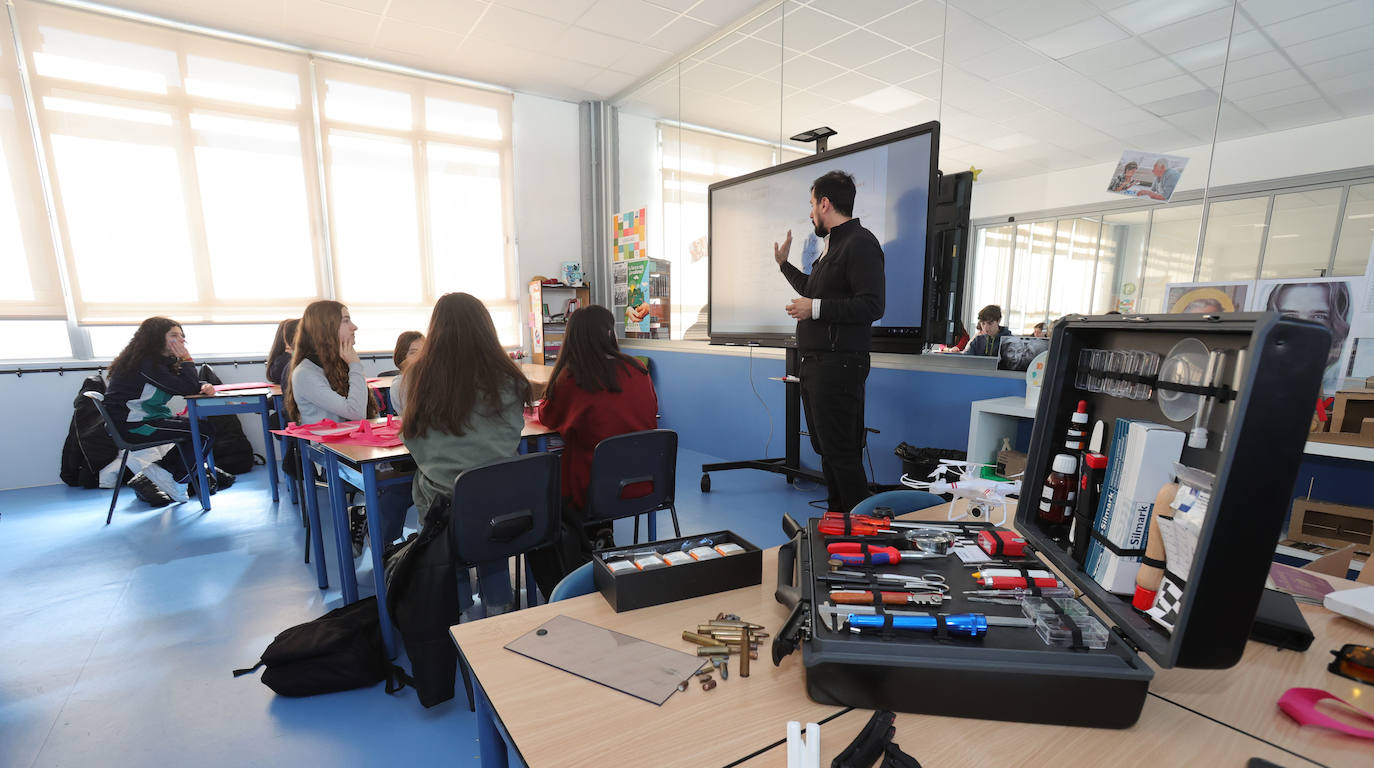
point(1332, 146)
point(548, 201)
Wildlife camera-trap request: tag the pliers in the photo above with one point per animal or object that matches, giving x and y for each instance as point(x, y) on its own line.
point(852, 553)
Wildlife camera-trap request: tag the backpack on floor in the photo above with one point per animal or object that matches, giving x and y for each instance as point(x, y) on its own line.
point(88, 447)
point(233, 453)
point(339, 651)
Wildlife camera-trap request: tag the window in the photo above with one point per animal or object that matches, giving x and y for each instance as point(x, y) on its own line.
point(181, 169)
point(30, 287)
point(990, 277)
point(1357, 232)
point(418, 173)
point(1075, 259)
point(1121, 256)
point(1235, 230)
point(1172, 253)
point(689, 162)
point(1300, 232)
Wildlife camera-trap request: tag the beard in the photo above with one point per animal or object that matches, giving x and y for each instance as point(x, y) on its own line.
point(821, 231)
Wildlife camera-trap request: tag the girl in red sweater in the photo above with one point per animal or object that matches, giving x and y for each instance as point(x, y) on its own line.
point(595, 392)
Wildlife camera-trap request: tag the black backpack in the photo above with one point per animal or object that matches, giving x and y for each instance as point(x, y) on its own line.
point(233, 453)
point(88, 447)
point(339, 651)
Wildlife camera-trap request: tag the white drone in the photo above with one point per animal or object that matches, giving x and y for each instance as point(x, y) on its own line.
point(983, 496)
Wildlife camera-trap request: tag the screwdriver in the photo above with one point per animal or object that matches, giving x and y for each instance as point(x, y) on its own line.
point(1005, 578)
point(866, 598)
point(1021, 592)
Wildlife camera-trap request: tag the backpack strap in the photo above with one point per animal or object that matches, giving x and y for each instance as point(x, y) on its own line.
point(397, 679)
point(250, 670)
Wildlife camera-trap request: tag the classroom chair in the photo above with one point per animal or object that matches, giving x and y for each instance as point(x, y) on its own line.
point(503, 509)
point(123, 446)
point(575, 584)
point(635, 457)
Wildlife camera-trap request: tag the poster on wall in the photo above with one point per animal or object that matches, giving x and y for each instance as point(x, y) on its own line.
point(1147, 174)
point(1362, 356)
point(637, 296)
point(1336, 302)
point(628, 236)
point(1206, 298)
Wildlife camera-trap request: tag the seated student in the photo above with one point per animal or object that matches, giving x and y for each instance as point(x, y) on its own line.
point(282, 344)
point(990, 332)
point(326, 381)
point(408, 346)
point(595, 392)
point(466, 403)
point(153, 368)
point(1040, 331)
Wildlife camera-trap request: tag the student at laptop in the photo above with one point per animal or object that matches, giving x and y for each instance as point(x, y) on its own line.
point(990, 332)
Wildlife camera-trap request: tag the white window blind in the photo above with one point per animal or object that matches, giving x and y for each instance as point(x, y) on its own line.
point(182, 169)
point(420, 201)
point(30, 288)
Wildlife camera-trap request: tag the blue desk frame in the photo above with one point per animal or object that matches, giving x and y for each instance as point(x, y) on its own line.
point(248, 401)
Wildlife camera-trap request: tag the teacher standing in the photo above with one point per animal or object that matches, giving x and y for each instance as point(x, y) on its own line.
point(840, 300)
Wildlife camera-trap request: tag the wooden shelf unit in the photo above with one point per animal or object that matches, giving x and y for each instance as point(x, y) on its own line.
point(547, 335)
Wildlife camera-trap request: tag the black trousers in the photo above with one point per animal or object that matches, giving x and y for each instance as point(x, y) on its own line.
point(832, 390)
point(179, 461)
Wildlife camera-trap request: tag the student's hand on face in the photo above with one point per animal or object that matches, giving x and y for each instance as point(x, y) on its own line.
point(799, 309)
point(207, 388)
point(348, 353)
point(780, 251)
point(178, 349)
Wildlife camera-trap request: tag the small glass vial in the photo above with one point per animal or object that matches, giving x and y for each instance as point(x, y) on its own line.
point(1057, 495)
point(1077, 437)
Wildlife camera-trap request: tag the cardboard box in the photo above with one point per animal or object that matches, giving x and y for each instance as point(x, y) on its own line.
point(1010, 463)
point(642, 588)
point(1337, 525)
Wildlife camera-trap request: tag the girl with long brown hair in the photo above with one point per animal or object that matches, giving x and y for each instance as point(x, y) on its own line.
point(464, 406)
point(153, 368)
point(595, 392)
point(283, 344)
point(326, 379)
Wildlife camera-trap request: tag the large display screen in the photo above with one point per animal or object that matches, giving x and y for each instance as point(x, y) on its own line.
point(893, 175)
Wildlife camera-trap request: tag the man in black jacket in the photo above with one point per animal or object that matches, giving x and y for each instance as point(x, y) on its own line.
point(840, 300)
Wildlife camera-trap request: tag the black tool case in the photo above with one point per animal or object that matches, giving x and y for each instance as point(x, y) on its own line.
point(1256, 438)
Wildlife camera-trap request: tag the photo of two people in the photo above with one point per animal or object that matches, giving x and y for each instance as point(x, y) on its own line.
point(1147, 174)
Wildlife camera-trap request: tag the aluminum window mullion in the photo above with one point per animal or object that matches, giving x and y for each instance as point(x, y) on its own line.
point(1201, 239)
point(1336, 236)
point(1264, 241)
point(327, 287)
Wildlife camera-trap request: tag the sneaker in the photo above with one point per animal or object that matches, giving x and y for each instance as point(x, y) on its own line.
point(222, 480)
point(165, 482)
point(148, 492)
point(357, 528)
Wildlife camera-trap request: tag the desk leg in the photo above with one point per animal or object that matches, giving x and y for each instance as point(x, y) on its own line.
point(489, 742)
point(338, 507)
point(312, 508)
point(374, 535)
point(269, 446)
point(198, 474)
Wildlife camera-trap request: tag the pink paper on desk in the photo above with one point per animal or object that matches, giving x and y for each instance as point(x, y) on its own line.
point(235, 386)
point(1295, 581)
point(386, 435)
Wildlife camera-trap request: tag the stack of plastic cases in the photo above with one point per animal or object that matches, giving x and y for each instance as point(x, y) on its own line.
point(1011, 673)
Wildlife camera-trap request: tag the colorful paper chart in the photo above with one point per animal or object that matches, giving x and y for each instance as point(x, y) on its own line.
point(629, 236)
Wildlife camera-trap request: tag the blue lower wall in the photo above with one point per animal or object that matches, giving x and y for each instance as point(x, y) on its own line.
point(707, 398)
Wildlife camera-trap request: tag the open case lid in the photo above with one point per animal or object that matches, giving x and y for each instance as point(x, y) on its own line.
point(1254, 450)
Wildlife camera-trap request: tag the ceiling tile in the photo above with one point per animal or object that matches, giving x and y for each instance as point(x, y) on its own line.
point(1331, 46)
point(1174, 105)
point(1210, 77)
point(862, 12)
point(934, 48)
point(709, 77)
point(1145, 15)
point(1297, 94)
point(681, 35)
point(901, 66)
point(856, 49)
point(719, 12)
point(849, 84)
point(1236, 124)
point(312, 17)
point(805, 103)
point(759, 91)
point(1086, 35)
point(565, 11)
point(1003, 62)
point(750, 55)
point(1295, 115)
point(630, 19)
point(1354, 103)
point(1108, 119)
point(1255, 66)
point(1267, 12)
point(914, 24)
point(804, 29)
point(371, 6)
point(970, 39)
point(450, 15)
point(417, 40)
point(1238, 90)
point(641, 60)
point(1122, 54)
point(676, 6)
point(609, 82)
point(518, 29)
point(1204, 28)
point(1247, 44)
point(1202, 56)
point(1138, 74)
point(1160, 89)
point(806, 71)
point(590, 47)
point(765, 27)
point(1321, 23)
point(929, 85)
point(1028, 20)
point(1351, 63)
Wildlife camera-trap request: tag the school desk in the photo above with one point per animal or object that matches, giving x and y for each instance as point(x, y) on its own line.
point(221, 403)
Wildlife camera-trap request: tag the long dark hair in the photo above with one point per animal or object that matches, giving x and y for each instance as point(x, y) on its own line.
point(150, 340)
point(1337, 295)
point(403, 342)
point(286, 336)
point(317, 340)
point(590, 352)
point(462, 363)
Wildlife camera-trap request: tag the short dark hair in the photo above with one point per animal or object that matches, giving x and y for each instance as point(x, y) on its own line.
point(990, 314)
point(838, 188)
